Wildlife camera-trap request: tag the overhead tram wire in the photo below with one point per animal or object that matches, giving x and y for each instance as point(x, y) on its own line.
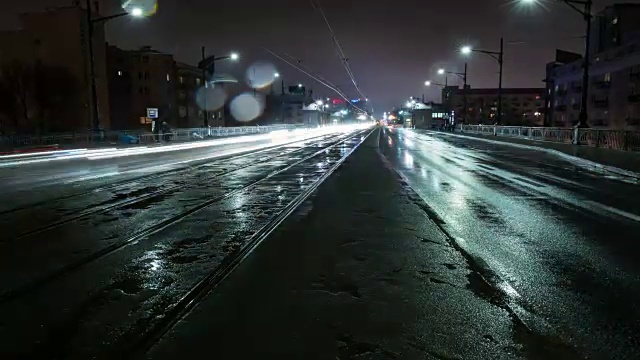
point(343, 58)
point(316, 78)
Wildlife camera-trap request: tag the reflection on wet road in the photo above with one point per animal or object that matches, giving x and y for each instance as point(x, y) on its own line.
point(560, 239)
point(102, 270)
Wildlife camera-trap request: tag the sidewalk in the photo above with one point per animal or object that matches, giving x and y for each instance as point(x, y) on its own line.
point(611, 160)
point(360, 271)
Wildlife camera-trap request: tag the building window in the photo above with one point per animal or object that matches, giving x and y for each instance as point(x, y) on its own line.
point(140, 75)
point(146, 75)
point(198, 81)
point(607, 77)
point(119, 72)
point(181, 79)
point(168, 77)
point(615, 21)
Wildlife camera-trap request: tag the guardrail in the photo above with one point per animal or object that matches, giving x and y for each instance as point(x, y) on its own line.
point(132, 137)
point(601, 138)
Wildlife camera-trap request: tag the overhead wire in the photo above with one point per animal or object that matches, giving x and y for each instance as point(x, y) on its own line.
point(312, 75)
point(343, 58)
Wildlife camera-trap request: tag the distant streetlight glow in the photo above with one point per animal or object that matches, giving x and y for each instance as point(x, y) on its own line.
point(319, 102)
point(441, 71)
point(234, 56)
point(408, 104)
point(299, 85)
point(427, 83)
point(137, 12)
point(466, 50)
point(276, 75)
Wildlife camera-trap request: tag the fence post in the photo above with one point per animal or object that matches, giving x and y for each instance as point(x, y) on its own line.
point(597, 138)
point(576, 139)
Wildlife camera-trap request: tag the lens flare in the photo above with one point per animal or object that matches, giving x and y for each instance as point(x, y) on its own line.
point(261, 74)
point(246, 107)
point(211, 98)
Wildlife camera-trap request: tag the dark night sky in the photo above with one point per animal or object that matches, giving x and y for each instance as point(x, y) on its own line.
point(393, 46)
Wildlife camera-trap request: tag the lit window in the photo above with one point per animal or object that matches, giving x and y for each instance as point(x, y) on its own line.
point(181, 79)
point(607, 77)
point(119, 72)
point(168, 77)
point(197, 81)
point(615, 21)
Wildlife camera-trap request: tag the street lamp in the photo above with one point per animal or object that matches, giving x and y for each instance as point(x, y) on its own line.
point(587, 16)
point(427, 83)
point(498, 56)
point(208, 66)
point(136, 12)
point(276, 75)
point(463, 76)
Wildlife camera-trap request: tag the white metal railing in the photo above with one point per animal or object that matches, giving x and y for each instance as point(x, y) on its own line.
point(602, 138)
point(133, 136)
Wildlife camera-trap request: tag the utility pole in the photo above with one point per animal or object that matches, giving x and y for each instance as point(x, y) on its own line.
point(206, 87)
point(464, 96)
point(584, 108)
point(500, 61)
point(94, 116)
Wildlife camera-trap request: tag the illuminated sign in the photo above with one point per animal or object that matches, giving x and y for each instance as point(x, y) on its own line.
point(355, 100)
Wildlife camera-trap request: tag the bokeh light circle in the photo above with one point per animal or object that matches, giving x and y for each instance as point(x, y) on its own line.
point(261, 74)
point(246, 107)
point(211, 98)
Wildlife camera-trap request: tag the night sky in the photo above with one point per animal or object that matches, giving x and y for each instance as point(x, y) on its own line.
point(392, 46)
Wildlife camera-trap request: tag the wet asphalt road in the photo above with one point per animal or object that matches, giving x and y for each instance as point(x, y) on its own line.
point(560, 241)
point(95, 273)
point(483, 251)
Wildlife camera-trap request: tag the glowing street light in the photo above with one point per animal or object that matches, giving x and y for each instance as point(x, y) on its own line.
point(587, 16)
point(427, 83)
point(441, 71)
point(299, 85)
point(137, 12)
point(234, 56)
point(276, 75)
point(319, 102)
point(466, 50)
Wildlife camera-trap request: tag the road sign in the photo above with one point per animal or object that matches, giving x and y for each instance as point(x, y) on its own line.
point(152, 113)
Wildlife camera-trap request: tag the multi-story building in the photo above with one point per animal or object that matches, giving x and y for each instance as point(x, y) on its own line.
point(614, 84)
point(148, 79)
point(520, 106)
point(51, 48)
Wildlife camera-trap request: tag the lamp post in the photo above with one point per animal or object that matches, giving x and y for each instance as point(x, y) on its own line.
point(93, 92)
point(586, 14)
point(208, 66)
point(463, 76)
point(498, 56)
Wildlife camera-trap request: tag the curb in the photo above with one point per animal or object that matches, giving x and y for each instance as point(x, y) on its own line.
point(573, 159)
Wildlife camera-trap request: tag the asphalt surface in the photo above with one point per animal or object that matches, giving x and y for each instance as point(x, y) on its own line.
point(96, 272)
point(560, 240)
point(419, 246)
point(450, 249)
